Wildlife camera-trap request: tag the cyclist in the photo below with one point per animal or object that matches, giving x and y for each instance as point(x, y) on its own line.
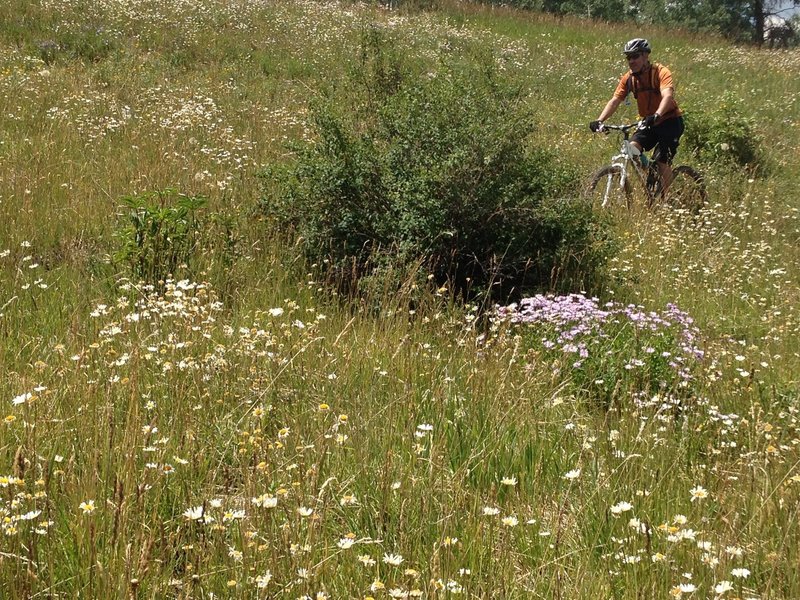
point(651, 84)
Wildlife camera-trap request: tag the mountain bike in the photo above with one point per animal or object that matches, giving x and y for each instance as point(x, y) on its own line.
point(614, 183)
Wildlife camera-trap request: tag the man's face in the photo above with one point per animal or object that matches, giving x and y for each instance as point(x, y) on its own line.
point(636, 62)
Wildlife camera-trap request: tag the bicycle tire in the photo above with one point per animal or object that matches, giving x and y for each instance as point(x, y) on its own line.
point(608, 178)
point(687, 190)
point(653, 183)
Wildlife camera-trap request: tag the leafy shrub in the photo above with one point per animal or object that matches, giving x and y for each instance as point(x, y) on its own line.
point(608, 10)
point(610, 351)
point(435, 170)
point(723, 136)
point(48, 51)
point(88, 43)
point(159, 233)
point(411, 6)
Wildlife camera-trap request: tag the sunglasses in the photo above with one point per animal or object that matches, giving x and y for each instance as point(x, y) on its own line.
point(633, 56)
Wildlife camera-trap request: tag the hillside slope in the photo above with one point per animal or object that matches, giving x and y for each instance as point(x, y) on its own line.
point(238, 430)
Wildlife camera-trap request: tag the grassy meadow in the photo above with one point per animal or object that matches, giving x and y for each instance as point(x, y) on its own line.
point(240, 431)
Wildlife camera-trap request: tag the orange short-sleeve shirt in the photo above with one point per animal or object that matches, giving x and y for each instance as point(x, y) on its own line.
point(646, 88)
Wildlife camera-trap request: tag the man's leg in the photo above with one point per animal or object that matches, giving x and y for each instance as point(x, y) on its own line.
point(638, 146)
point(669, 136)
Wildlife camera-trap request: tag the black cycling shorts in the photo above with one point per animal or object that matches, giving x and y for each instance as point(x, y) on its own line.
point(666, 135)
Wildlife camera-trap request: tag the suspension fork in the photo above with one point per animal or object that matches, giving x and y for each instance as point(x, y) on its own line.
point(621, 162)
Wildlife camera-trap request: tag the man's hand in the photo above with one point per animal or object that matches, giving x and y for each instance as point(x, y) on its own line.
point(649, 121)
point(596, 126)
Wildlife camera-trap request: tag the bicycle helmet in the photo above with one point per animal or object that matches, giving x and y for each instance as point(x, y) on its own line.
point(635, 46)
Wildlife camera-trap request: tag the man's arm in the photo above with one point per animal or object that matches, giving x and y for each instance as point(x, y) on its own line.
point(667, 101)
point(610, 108)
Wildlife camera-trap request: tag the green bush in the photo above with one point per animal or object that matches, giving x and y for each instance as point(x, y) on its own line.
point(88, 43)
point(436, 170)
point(722, 136)
point(159, 234)
point(167, 234)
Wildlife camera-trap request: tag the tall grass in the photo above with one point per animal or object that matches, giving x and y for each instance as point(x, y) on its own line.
point(246, 433)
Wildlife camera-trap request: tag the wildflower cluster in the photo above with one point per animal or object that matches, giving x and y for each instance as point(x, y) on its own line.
point(706, 564)
point(608, 350)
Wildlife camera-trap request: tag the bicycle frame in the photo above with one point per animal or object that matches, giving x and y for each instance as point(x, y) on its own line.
point(627, 154)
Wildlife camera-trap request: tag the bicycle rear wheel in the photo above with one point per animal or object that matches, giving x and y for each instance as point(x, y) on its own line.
point(687, 190)
point(605, 188)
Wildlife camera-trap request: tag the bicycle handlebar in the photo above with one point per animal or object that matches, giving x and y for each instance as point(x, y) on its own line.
point(627, 127)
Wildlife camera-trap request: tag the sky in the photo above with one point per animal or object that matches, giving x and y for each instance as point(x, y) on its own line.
point(787, 4)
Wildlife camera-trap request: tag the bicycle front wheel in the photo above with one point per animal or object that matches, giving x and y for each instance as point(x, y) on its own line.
point(606, 189)
point(687, 190)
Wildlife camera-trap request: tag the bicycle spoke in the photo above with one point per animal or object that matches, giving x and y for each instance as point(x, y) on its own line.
point(605, 188)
